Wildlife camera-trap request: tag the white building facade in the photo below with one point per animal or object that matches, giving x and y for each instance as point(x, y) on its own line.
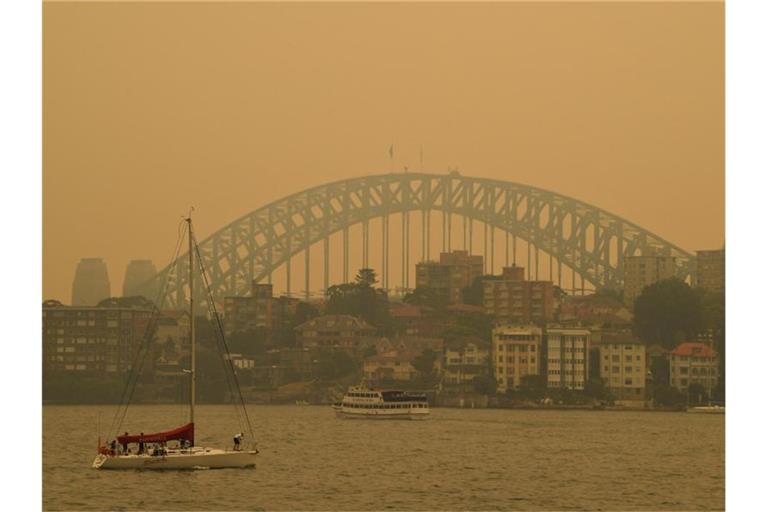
point(567, 358)
point(516, 354)
point(622, 367)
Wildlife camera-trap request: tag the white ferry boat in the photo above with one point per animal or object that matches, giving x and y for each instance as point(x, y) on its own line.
point(366, 403)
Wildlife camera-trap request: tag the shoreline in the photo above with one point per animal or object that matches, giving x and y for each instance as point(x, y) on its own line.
point(513, 408)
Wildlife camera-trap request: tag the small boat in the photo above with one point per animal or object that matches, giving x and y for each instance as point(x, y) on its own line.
point(366, 403)
point(184, 455)
point(708, 409)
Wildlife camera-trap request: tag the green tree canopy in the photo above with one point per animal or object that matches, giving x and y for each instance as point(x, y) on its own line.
point(484, 384)
point(610, 293)
point(469, 328)
point(424, 363)
point(666, 395)
point(252, 342)
point(595, 388)
point(713, 304)
point(335, 364)
point(425, 296)
point(360, 299)
point(667, 312)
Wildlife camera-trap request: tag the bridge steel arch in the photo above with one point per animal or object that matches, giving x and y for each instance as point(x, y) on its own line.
point(589, 240)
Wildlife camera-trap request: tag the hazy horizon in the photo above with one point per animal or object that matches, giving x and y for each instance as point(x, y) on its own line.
point(151, 108)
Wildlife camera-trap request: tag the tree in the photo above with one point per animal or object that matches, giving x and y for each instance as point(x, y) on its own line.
point(667, 312)
point(425, 362)
point(366, 276)
point(169, 349)
point(697, 394)
point(660, 370)
point(252, 342)
point(610, 293)
point(304, 312)
point(468, 327)
point(713, 305)
point(361, 299)
point(595, 388)
point(335, 364)
point(668, 396)
point(425, 296)
point(533, 387)
point(484, 384)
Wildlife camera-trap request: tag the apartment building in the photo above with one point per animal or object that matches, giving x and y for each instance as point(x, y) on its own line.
point(336, 331)
point(454, 271)
point(95, 340)
point(623, 367)
point(642, 271)
point(251, 312)
point(516, 354)
point(512, 299)
point(693, 363)
point(710, 270)
point(567, 358)
point(462, 366)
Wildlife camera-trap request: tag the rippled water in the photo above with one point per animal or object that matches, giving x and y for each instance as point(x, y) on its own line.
point(459, 459)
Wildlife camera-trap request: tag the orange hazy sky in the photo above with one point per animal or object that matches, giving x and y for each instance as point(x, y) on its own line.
point(151, 108)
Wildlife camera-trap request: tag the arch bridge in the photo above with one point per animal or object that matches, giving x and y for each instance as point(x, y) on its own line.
point(589, 242)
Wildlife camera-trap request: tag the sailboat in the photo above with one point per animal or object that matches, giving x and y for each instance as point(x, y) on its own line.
point(185, 454)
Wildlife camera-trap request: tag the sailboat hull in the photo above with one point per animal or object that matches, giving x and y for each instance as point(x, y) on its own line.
point(206, 458)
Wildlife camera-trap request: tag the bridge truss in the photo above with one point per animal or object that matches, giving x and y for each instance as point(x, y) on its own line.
point(589, 241)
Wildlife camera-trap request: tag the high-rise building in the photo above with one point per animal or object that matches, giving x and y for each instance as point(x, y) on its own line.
point(511, 299)
point(567, 358)
point(516, 354)
point(622, 367)
point(91, 284)
point(92, 340)
point(454, 271)
point(343, 332)
point(642, 271)
point(137, 274)
point(247, 313)
point(710, 270)
point(259, 310)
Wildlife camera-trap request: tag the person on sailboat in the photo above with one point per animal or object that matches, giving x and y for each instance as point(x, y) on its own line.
point(141, 443)
point(237, 439)
point(125, 443)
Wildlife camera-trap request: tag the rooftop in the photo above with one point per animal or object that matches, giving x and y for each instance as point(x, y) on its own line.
point(336, 322)
point(694, 349)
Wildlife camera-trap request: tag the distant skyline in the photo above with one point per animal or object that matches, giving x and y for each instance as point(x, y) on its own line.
point(151, 108)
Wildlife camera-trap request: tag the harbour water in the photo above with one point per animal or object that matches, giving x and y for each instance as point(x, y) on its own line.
point(459, 459)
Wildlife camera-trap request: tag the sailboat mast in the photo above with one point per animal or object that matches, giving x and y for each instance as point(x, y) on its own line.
point(191, 323)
